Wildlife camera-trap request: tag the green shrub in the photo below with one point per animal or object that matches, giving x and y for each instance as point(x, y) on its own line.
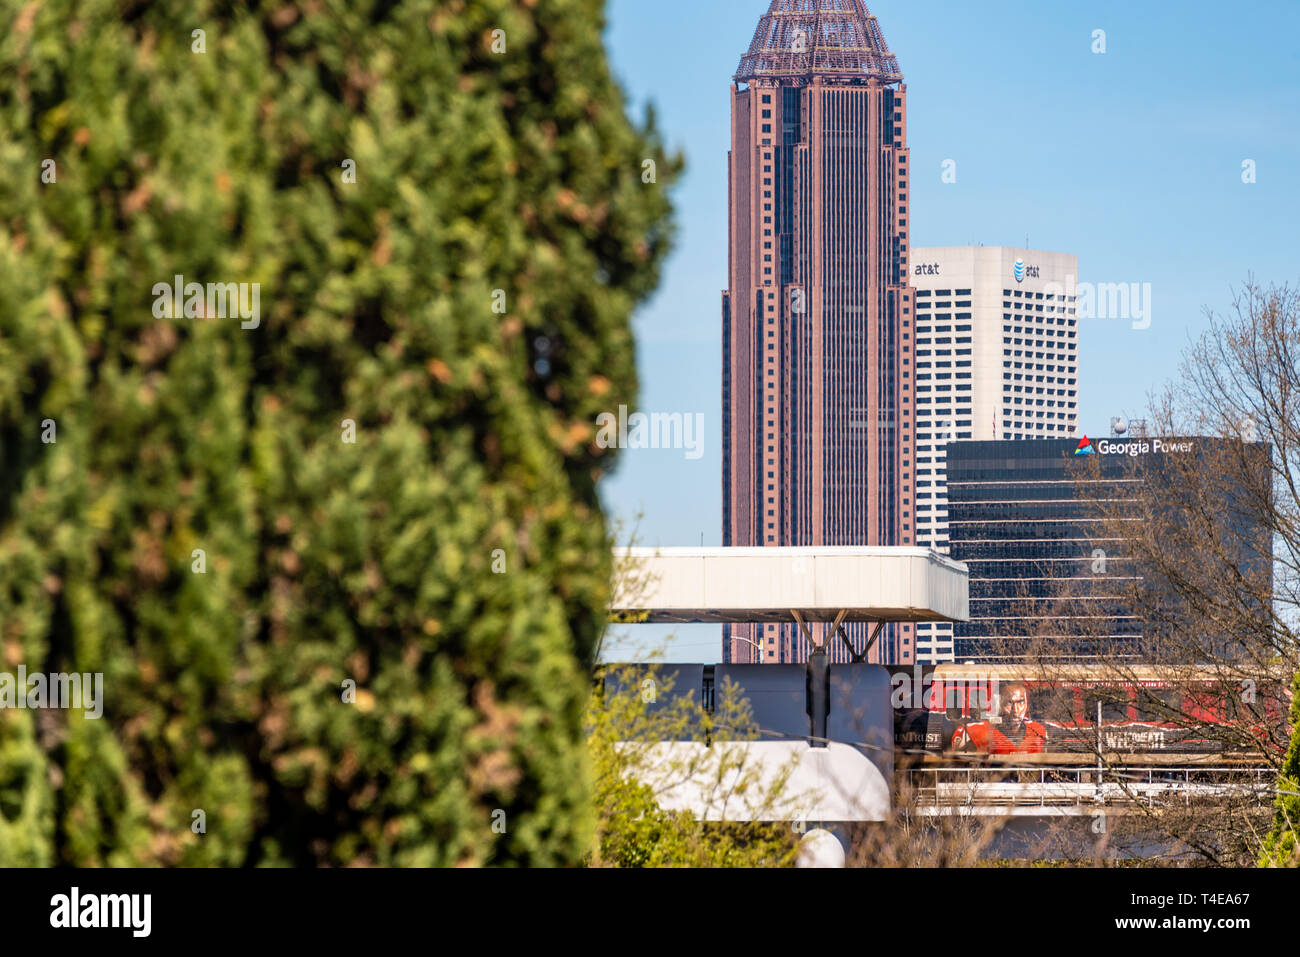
point(1282, 848)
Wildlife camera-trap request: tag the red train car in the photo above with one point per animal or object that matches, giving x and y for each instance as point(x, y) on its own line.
point(1073, 709)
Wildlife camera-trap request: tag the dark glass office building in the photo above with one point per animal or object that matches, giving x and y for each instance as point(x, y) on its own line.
point(1047, 572)
point(1021, 515)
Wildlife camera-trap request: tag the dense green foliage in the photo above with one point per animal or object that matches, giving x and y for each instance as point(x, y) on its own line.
point(1283, 846)
point(326, 560)
point(632, 770)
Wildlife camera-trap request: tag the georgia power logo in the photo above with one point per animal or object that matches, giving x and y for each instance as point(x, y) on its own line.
point(1085, 447)
point(1019, 270)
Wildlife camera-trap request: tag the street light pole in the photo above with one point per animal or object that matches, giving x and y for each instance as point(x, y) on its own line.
point(749, 641)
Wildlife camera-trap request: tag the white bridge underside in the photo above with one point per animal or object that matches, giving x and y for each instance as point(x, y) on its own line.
point(742, 585)
point(834, 783)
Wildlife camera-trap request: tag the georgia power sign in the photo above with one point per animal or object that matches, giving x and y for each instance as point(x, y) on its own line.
point(1136, 447)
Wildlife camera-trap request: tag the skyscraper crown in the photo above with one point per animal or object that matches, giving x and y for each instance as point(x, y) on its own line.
point(833, 38)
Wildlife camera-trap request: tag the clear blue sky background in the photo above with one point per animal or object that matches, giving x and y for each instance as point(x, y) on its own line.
point(1130, 159)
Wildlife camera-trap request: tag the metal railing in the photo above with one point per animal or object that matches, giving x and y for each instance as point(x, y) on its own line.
point(1012, 786)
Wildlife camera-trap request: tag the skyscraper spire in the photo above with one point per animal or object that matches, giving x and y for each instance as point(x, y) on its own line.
point(830, 38)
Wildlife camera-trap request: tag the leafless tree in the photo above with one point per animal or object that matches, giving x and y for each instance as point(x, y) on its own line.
point(1193, 553)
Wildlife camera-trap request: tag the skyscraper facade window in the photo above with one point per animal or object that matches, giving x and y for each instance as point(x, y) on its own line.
point(817, 373)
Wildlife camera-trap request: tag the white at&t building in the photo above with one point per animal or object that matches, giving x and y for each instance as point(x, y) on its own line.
point(996, 350)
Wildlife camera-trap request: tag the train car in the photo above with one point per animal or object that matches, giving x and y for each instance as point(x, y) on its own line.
point(1069, 710)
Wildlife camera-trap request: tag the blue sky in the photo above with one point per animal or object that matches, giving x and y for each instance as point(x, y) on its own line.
point(1131, 159)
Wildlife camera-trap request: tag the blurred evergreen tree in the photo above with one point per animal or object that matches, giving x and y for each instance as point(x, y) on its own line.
point(450, 226)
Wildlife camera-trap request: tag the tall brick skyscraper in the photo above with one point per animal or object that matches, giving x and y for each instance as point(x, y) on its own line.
point(817, 376)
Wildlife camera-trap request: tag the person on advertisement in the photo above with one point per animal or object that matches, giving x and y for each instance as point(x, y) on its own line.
point(1016, 733)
